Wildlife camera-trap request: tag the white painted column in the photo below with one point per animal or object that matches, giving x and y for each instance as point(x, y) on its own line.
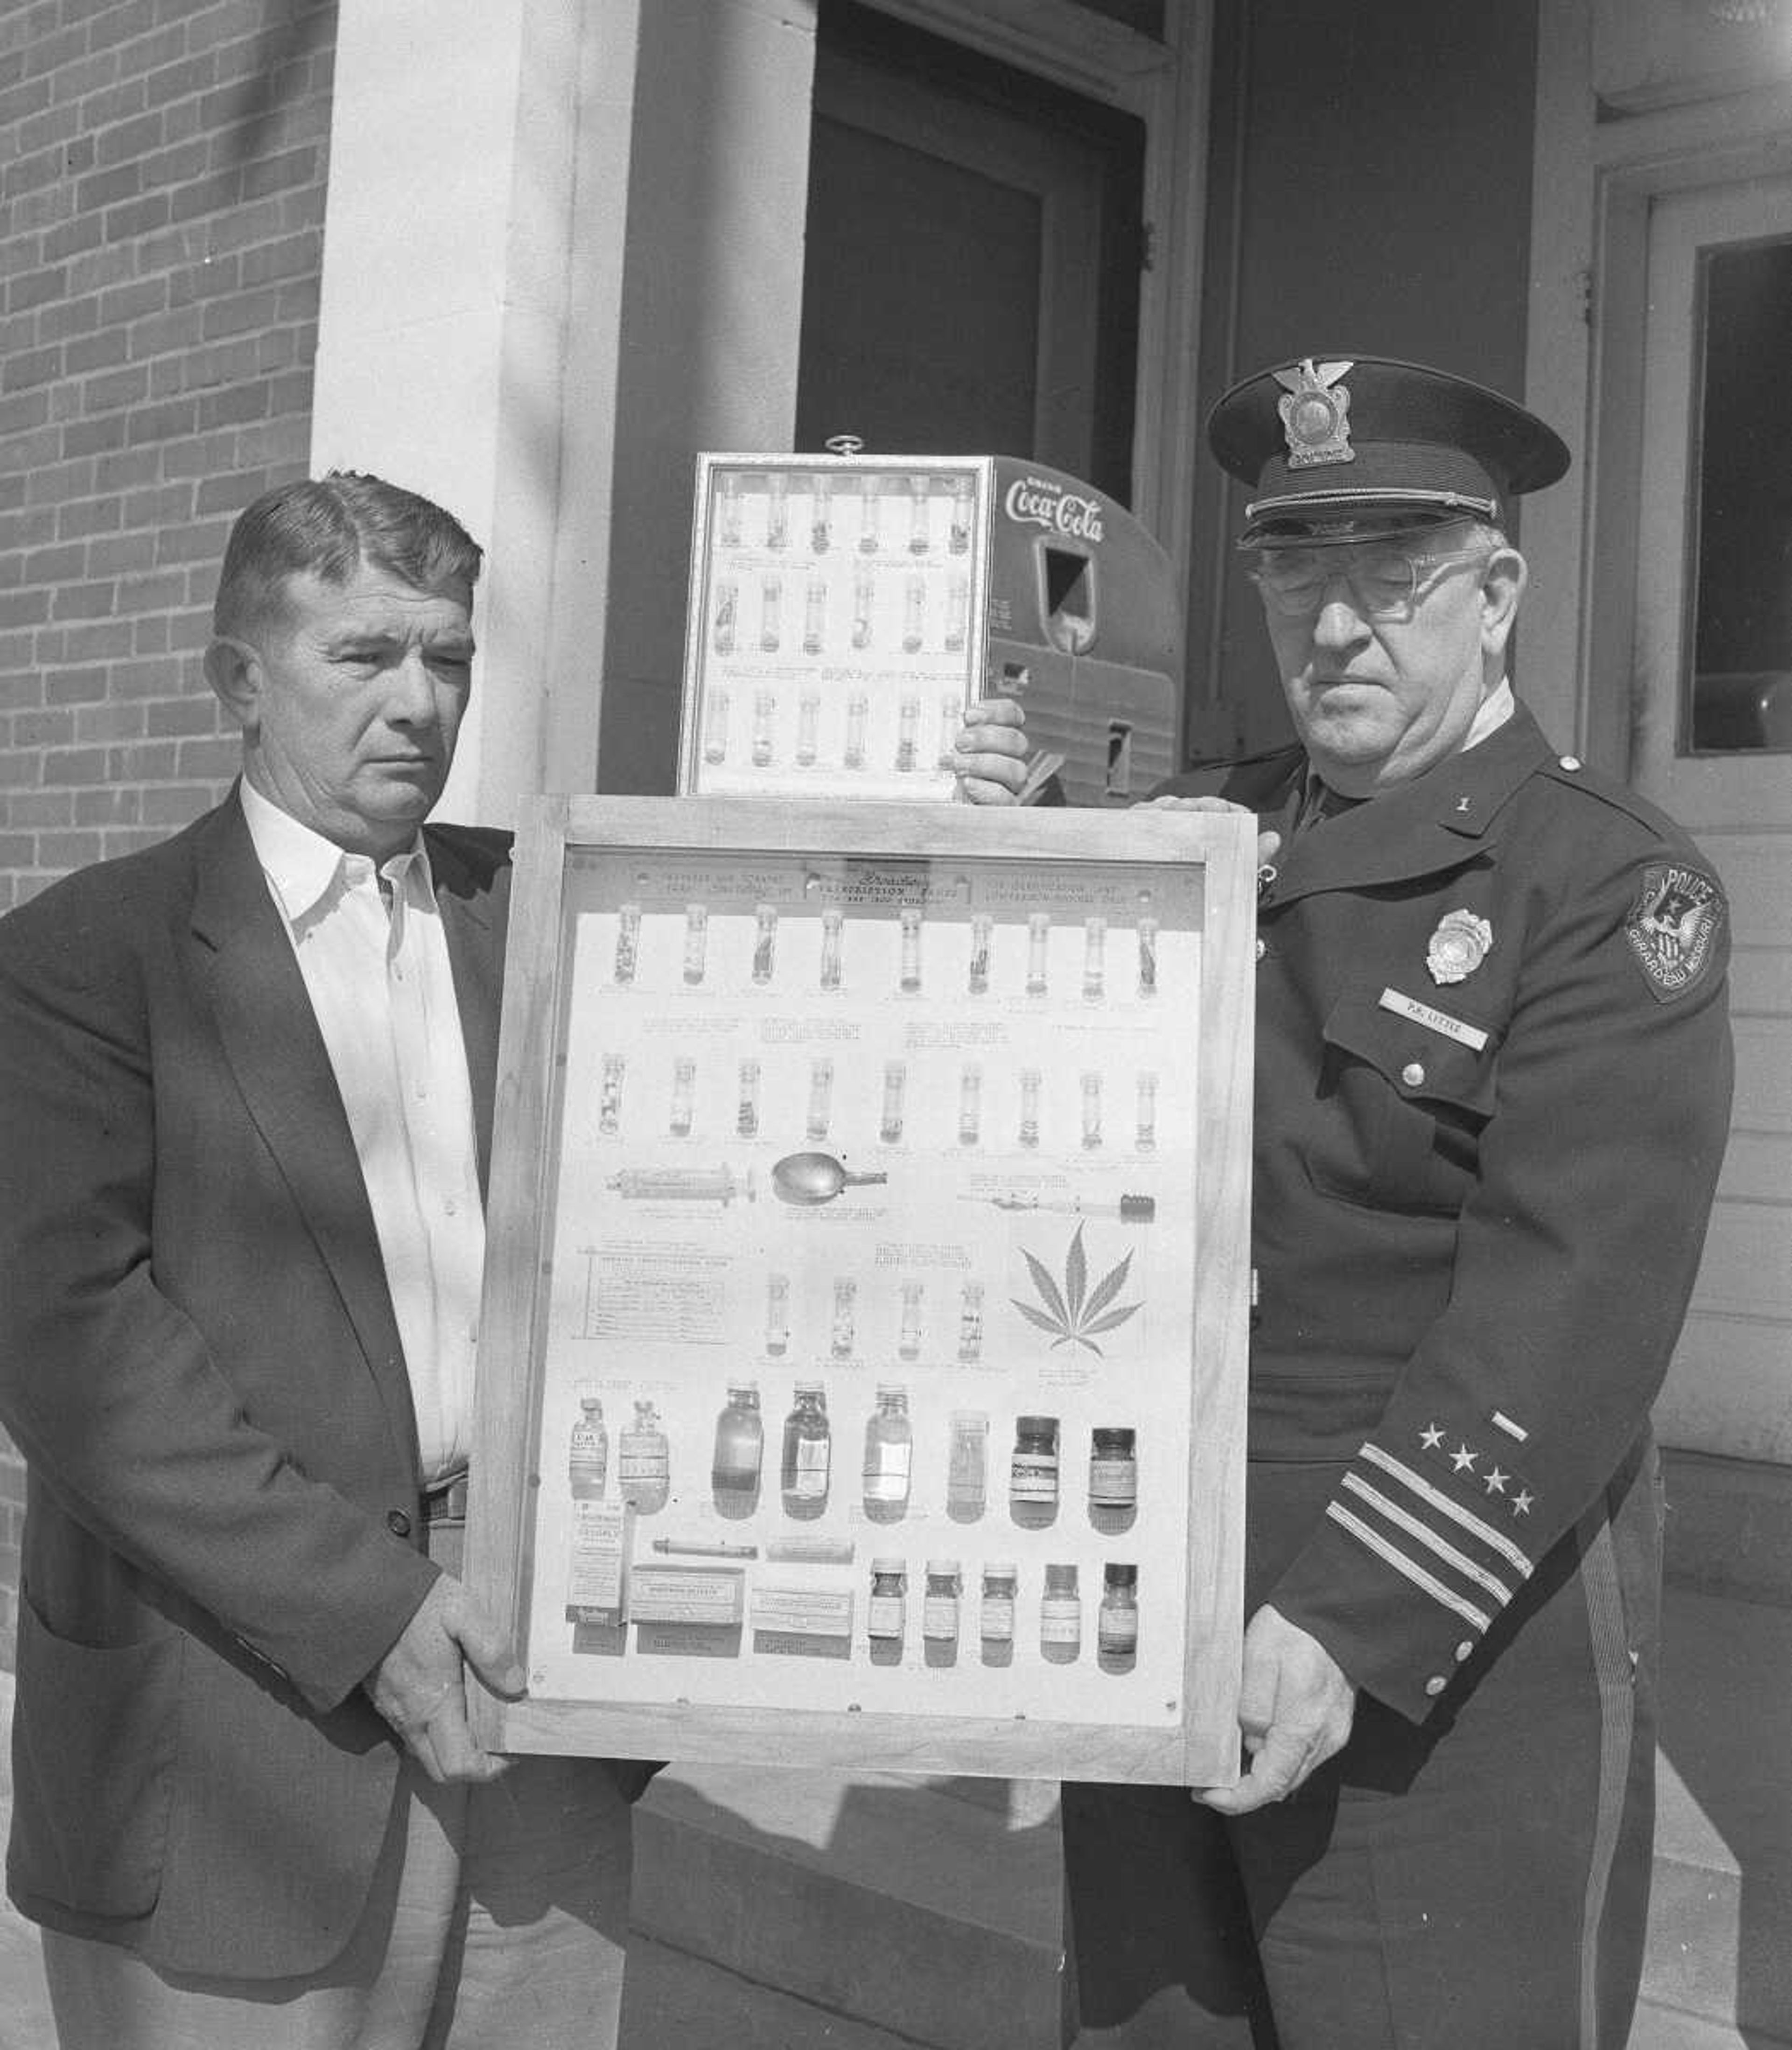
point(562, 252)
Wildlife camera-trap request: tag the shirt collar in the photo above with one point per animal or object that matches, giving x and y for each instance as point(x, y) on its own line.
point(303, 868)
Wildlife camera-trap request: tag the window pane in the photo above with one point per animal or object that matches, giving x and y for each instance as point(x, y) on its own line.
point(1742, 680)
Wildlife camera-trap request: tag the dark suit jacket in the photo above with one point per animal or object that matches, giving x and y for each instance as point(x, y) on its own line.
point(199, 1358)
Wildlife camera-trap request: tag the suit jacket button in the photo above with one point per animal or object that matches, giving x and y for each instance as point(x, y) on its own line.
point(1413, 1074)
point(1436, 1684)
point(1465, 1650)
point(398, 1523)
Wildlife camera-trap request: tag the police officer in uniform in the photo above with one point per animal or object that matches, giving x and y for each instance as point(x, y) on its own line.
point(1493, 1081)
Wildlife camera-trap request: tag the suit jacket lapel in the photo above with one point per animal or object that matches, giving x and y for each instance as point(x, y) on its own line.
point(277, 1054)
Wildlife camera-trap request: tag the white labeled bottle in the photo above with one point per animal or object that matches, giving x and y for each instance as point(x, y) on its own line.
point(995, 1613)
point(644, 1461)
point(807, 1453)
point(1116, 1621)
point(1033, 1473)
point(939, 1613)
point(1061, 1617)
point(889, 1456)
point(887, 1614)
point(588, 1455)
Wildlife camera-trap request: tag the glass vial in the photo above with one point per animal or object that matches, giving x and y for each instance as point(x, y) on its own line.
point(1033, 1473)
point(920, 489)
point(1029, 1107)
point(895, 1081)
point(1061, 1617)
point(995, 1613)
point(644, 1463)
point(958, 615)
point(588, 1455)
point(696, 940)
point(764, 711)
point(1095, 940)
point(887, 1614)
point(967, 1466)
point(716, 716)
point(939, 1613)
point(627, 943)
point(740, 1452)
point(858, 710)
point(746, 1106)
point(964, 491)
point(832, 923)
point(765, 942)
point(863, 588)
point(908, 1336)
point(951, 717)
point(684, 1094)
point(722, 639)
point(870, 507)
point(970, 1104)
point(889, 1455)
point(1144, 1133)
point(1038, 938)
point(777, 509)
point(1091, 1110)
point(821, 1097)
point(981, 924)
point(1116, 1621)
point(610, 1095)
point(908, 724)
point(915, 613)
point(1113, 1479)
point(728, 491)
point(771, 608)
point(821, 512)
point(777, 1315)
point(909, 978)
point(1148, 956)
point(808, 718)
point(815, 617)
point(970, 1323)
point(841, 1335)
point(807, 1453)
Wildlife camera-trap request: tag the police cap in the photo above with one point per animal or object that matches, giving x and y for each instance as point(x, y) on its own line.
point(1339, 437)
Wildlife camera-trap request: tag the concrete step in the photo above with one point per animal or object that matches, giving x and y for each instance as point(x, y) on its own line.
point(674, 2002)
point(928, 1909)
point(1666, 2028)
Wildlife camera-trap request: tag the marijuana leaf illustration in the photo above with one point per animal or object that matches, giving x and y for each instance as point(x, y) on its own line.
point(1074, 1313)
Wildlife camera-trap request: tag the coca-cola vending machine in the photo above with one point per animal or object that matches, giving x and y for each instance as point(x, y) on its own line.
point(845, 608)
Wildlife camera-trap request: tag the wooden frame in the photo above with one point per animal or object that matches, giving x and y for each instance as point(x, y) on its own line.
point(659, 1231)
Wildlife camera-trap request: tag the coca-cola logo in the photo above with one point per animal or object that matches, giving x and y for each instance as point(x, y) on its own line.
point(1033, 502)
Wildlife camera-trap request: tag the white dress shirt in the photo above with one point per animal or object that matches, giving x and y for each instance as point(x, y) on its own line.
point(383, 992)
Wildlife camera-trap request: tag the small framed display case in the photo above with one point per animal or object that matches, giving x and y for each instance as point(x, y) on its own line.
point(863, 1346)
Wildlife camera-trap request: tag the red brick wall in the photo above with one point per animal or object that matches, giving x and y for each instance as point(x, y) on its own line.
point(162, 168)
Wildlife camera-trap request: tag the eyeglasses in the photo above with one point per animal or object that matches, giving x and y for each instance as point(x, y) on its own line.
point(1387, 583)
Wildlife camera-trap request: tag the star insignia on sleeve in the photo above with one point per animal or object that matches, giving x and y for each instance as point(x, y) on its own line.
point(1496, 1482)
point(1431, 1437)
point(1521, 1501)
point(1463, 1459)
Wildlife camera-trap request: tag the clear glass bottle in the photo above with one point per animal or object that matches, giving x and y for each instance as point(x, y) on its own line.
point(588, 1455)
point(807, 1453)
point(1061, 1617)
point(740, 1452)
point(889, 1456)
point(644, 1461)
point(1113, 1479)
point(888, 1615)
point(1033, 1473)
point(996, 1615)
point(967, 1465)
point(1116, 1621)
point(939, 1612)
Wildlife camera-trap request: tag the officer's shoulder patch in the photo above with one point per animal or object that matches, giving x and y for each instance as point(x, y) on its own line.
point(1675, 927)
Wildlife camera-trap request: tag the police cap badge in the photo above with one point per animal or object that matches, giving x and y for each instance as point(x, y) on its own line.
point(1328, 437)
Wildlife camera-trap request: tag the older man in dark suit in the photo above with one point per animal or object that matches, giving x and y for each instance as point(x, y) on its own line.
point(246, 1087)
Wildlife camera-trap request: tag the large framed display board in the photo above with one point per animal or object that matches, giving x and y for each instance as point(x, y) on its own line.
point(863, 1346)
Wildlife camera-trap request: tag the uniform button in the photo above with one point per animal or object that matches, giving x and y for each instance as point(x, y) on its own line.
point(398, 1523)
point(1435, 1684)
point(1465, 1650)
point(1412, 1074)
point(1263, 948)
point(1571, 762)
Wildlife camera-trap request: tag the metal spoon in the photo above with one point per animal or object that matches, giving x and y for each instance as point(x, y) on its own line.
point(815, 1178)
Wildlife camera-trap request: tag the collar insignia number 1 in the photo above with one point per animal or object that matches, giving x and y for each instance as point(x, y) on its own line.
point(1316, 414)
point(1458, 946)
point(1673, 926)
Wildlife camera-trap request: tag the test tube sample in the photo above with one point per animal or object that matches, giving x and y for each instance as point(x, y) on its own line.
point(841, 1334)
point(908, 978)
point(809, 716)
point(728, 492)
point(821, 1097)
point(1148, 956)
point(870, 506)
point(981, 925)
point(765, 941)
point(895, 1081)
point(683, 1097)
point(908, 1341)
point(727, 612)
point(815, 616)
point(958, 614)
point(908, 720)
point(696, 941)
point(1029, 1133)
point(970, 1104)
point(951, 717)
point(1039, 939)
point(970, 1323)
point(771, 607)
point(747, 1108)
point(716, 727)
point(1095, 940)
point(862, 592)
point(1144, 1135)
point(1092, 1108)
point(777, 1315)
point(777, 509)
point(914, 613)
point(765, 713)
point(964, 500)
point(833, 922)
point(821, 512)
point(610, 1095)
point(858, 710)
point(920, 506)
point(627, 943)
